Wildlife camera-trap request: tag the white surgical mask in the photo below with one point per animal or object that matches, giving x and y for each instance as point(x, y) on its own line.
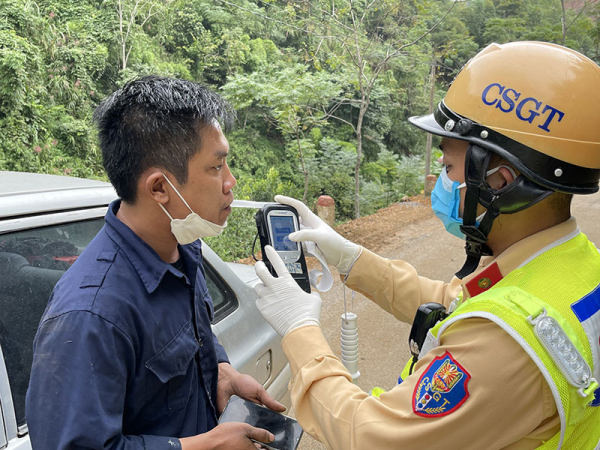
point(193, 227)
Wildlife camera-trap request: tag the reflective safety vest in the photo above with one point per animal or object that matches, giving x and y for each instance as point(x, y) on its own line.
point(551, 306)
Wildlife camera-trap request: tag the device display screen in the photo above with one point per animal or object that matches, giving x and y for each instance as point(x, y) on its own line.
point(286, 430)
point(282, 226)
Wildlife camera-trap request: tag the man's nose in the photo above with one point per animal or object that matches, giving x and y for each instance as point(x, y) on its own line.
point(230, 181)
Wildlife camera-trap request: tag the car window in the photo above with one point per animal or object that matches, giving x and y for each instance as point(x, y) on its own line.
point(31, 262)
point(223, 297)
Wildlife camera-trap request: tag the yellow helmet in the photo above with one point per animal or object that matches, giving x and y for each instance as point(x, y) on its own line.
point(535, 104)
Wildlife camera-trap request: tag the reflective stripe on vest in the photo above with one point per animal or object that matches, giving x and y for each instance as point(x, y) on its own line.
point(515, 293)
point(573, 301)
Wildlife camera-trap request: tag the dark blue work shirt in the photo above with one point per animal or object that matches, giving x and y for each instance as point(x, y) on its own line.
point(124, 357)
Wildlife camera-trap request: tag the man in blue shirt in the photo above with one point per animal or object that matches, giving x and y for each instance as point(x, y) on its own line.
point(124, 357)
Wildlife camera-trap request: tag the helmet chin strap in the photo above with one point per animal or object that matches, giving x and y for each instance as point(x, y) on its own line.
point(514, 197)
point(477, 162)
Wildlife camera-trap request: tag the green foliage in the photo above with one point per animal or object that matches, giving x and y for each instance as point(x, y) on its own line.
point(331, 172)
point(20, 62)
point(48, 74)
point(290, 69)
point(236, 241)
point(389, 179)
point(253, 155)
point(503, 21)
point(264, 189)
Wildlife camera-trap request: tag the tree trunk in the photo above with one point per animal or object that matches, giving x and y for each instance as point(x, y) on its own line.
point(429, 137)
point(304, 171)
point(563, 21)
point(120, 13)
point(361, 115)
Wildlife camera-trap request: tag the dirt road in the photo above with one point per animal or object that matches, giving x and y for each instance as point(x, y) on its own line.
point(411, 232)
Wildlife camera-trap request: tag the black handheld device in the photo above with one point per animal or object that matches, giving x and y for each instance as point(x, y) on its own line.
point(426, 317)
point(286, 430)
point(275, 222)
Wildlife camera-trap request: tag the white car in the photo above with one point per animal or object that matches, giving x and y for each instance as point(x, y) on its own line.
point(45, 223)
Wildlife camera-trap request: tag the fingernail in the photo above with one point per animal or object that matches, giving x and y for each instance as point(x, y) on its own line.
point(271, 437)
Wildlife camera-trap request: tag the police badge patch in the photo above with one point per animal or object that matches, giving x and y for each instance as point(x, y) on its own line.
point(442, 388)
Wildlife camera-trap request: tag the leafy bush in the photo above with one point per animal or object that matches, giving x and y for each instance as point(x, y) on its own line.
point(60, 58)
point(236, 241)
point(331, 172)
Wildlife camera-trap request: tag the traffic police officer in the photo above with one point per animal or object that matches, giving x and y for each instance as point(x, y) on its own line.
point(516, 362)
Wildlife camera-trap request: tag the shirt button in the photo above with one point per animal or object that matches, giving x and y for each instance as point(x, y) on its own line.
point(200, 342)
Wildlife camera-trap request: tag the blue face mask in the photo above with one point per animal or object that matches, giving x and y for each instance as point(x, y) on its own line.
point(445, 201)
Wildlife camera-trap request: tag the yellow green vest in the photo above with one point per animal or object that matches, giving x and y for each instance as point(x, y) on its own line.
point(563, 282)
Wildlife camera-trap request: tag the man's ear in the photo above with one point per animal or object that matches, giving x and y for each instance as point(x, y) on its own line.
point(501, 178)
point(156, 186)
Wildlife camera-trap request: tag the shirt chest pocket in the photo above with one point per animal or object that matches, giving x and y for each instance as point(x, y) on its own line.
point(171, 375)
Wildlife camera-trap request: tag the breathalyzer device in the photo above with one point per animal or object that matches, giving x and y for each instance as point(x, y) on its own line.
point(275, 222)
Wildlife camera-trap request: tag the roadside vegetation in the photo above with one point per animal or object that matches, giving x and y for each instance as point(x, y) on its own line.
point(322, 88)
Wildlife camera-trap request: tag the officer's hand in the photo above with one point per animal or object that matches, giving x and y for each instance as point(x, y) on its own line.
point(281, 301)
point(228, 436)
point(337, 250)
point(232, 382)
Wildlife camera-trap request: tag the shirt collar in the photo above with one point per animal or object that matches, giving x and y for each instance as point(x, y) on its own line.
point(149, 266)
point(517, 255)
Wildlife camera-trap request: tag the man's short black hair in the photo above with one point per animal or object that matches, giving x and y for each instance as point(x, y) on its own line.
point(155, 121)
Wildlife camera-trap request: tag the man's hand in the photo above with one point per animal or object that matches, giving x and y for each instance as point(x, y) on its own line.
point(232, 382)
point(337, 250)
point(228, 436)
point(281, 301)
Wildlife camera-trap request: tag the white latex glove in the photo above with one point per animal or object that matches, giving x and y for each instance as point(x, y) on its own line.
point(337, 250)
point(281, 301)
